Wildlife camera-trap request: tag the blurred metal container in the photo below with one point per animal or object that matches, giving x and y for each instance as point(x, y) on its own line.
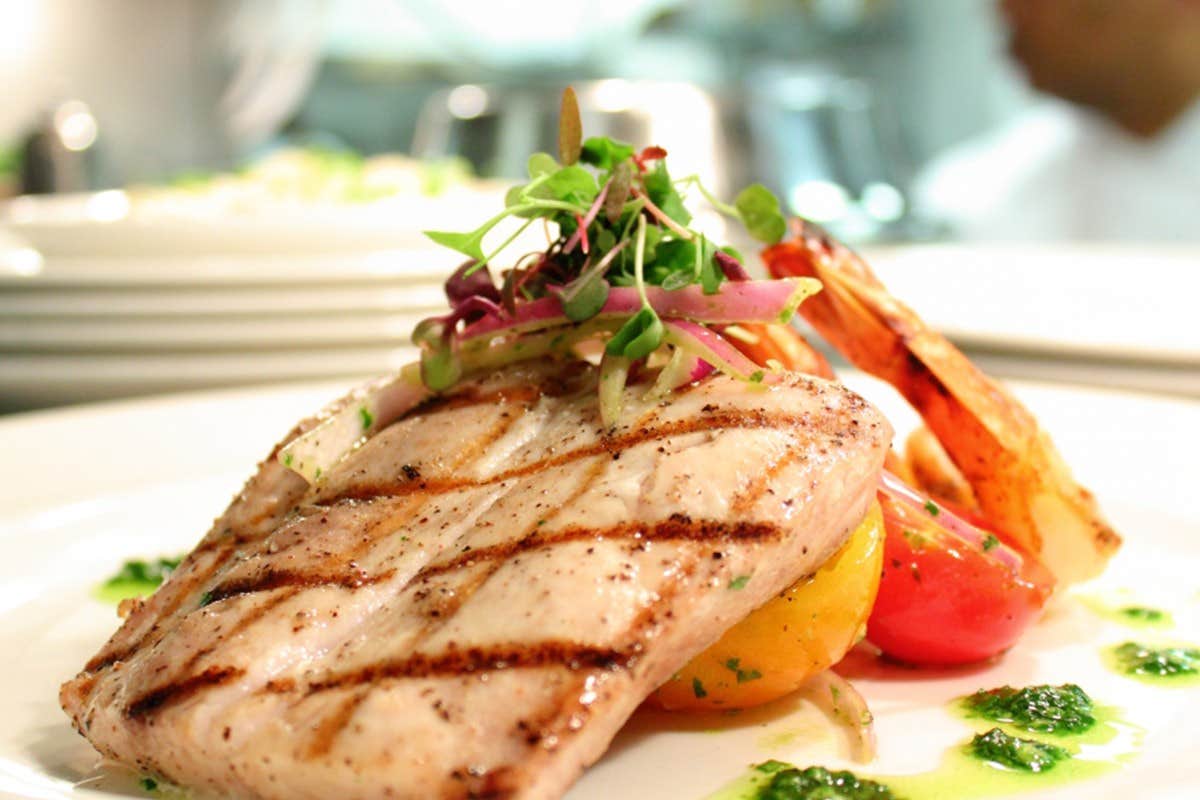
point(497, 127)
point(59, 156)
point(821, 141)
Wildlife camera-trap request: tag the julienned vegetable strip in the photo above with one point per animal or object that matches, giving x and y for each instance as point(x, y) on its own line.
point(708, 346)
point(954, 524)
point(772, 301)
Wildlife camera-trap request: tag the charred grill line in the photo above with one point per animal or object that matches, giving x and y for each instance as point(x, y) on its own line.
point(249, 618)
point(227, 544)
point(718, 420)
point(456, 663)
point(676, 528)
point(761, 482)
point(188, 582)
point(555, 719)
point(330, 728)
point(327, 730)
point(177, 691)
point(270, 579)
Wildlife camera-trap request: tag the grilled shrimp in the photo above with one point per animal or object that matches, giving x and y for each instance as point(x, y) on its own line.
point(1020, 482)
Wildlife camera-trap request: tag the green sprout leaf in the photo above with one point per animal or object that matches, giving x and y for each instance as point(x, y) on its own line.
point(540, 164)
point(605, 153)
point(469, 244)
point(759, 211)
point(662, 193)
point(673, 264)
point(638, 337)
point(583, 298)
point(711, 275)
point(572, 185)
point(570, 128)
point(440, 365)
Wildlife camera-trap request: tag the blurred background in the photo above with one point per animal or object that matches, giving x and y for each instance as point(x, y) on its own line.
point(208, 193)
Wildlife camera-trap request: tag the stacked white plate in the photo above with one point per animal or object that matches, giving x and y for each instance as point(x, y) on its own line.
point(77, 327)
point(1120, 316)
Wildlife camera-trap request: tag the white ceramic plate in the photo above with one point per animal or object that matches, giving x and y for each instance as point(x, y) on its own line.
point(1115, 302)
point(68, 304)
point(420, 263)
point(90, 487)
point(30, 380)
point(112, 224)
point(160, 335)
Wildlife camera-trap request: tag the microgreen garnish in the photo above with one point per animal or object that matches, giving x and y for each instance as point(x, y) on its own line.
point(618, 226)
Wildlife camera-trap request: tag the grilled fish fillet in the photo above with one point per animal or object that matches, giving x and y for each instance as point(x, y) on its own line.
point(472, 603)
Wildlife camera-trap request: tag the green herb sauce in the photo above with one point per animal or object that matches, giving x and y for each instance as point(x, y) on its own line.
point(1042, 709)
point(1131, 615)
point(136, 578)
point(786, 782)
point(999, 764)
point(1168, 665)
point(1006, 750)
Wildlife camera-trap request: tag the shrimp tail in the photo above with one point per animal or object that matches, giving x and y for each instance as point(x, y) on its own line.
point(1021, 483)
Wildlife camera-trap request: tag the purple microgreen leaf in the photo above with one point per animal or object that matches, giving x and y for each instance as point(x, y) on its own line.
point(470, 280)
point(587, 219)
point(731, 267)
point(570, 129)
point(618, 191)
point(508, 290)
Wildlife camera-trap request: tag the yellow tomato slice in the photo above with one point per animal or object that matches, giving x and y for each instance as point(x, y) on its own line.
point(803, 631)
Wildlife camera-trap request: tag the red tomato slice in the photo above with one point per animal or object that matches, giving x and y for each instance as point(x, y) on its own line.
point(950, 593)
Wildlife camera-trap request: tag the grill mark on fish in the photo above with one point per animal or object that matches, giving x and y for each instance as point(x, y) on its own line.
point(177, 691)
point(496, 554)
point(676, 528)
point(762, 481)
point(328, 730)
point(269, 579)
point(251, 616)
point(454, 663)
point(719, 420)
point(554, 721)
point(227, 544)
point(464, 458)
point(182, 591)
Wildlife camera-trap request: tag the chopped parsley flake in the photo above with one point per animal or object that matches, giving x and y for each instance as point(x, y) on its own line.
point(149, 784)
point(739, 582)
point(365, 417)
point(990, 543)
point(734, 665)
point(698, 689)
point(932, 508)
